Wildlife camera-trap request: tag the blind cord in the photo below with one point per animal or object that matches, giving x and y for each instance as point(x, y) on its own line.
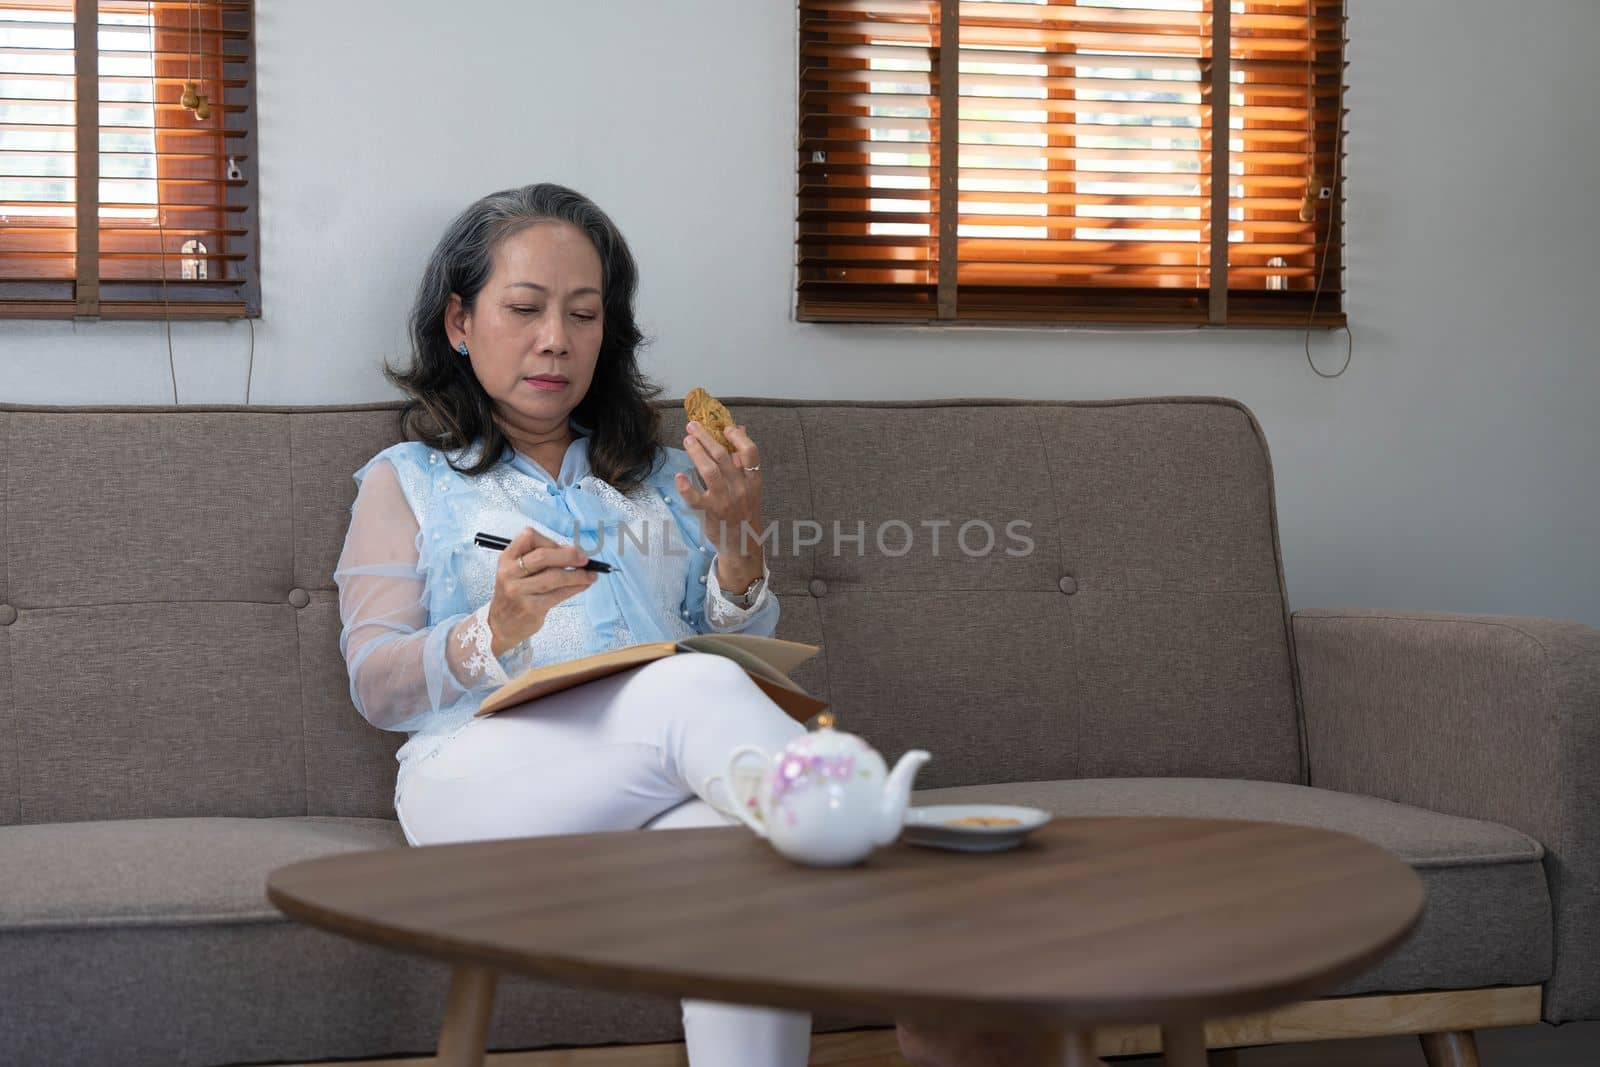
point(1334, 201)
point(161, 229)
point(166, 302)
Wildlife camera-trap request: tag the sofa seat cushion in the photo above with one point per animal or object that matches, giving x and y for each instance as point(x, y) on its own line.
point(163, 926)
point(1487, 920)
point(161, 872)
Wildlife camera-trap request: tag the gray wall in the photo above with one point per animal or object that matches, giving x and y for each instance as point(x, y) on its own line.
point(1451, 468)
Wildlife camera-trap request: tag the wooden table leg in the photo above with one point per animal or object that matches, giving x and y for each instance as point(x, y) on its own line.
point(1077, 1049)
point(1457, 1048)
point(1184, 1045)
point(466, 1016)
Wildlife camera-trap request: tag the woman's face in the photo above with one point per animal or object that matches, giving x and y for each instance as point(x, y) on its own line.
point(534, 332)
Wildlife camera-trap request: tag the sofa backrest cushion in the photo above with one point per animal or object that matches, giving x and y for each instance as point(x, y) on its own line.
point(169, 624)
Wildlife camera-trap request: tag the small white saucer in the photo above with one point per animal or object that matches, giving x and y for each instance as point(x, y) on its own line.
point(930, 826)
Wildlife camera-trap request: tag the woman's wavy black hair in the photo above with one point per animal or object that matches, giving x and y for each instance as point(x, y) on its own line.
point(447, 408)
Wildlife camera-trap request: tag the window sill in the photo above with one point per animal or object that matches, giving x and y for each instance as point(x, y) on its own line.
point(1167, 324)
point(129, 310)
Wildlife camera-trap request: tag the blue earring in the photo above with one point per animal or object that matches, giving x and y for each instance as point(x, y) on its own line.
point(462, 348)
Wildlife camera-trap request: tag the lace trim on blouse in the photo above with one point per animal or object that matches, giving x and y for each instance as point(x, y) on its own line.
point(482, 665)
point(724, 614)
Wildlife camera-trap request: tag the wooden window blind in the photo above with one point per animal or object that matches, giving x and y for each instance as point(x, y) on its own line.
point(1078, 178)
point(135, 206)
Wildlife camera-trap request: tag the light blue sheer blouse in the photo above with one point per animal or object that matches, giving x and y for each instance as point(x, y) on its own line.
point(414, 590)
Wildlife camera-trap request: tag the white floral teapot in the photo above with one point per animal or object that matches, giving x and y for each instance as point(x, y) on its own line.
point(827, 799)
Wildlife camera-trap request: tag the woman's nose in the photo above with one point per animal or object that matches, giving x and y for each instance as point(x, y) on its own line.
point(554, 339)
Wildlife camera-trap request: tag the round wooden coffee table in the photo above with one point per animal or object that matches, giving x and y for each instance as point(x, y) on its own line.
point(1093, 922)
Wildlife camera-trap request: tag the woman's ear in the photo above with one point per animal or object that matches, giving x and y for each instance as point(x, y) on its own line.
point(455, 320)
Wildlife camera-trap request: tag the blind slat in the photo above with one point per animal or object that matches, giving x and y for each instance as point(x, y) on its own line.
point(851, 178)
point(116, 79)
point(1051, 222)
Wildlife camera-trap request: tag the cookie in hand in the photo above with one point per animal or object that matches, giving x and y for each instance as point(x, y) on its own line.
point(708, 411)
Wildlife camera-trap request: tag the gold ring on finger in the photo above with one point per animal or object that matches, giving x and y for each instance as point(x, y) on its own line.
point(755, 468)
point(523, 567)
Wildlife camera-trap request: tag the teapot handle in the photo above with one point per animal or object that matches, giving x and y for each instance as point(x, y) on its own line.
point(748, 814)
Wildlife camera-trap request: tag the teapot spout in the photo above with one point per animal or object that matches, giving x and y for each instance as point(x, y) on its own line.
point(897, 795)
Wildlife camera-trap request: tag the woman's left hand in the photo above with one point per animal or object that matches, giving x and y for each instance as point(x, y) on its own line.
point(730, 504)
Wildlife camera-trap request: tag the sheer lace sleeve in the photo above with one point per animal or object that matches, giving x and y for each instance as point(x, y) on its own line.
point(402, 667)
point(724, 616)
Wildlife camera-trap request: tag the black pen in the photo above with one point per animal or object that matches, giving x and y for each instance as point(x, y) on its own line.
point(500, 544)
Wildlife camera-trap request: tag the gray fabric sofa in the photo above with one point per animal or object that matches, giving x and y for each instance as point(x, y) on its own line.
point(176, 720)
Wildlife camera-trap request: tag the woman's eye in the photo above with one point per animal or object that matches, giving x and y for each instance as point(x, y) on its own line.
point(585, 316)
point(525, 310)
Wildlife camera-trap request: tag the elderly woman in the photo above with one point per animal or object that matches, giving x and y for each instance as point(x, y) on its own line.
point(528, 417)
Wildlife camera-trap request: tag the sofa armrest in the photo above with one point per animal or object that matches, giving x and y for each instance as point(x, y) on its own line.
point(1491, 717)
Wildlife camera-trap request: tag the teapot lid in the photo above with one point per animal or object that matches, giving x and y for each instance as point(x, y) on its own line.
point(825, 739)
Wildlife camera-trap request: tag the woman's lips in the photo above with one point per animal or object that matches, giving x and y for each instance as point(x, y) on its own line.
point(547, 383)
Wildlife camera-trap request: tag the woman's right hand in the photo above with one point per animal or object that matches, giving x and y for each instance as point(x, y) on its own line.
point(524, 595)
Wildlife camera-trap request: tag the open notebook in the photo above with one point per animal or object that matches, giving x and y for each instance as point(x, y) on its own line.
point(767, 660)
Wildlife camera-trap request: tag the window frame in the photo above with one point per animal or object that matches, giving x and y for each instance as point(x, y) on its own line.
point(923, 304)
point(90, 294)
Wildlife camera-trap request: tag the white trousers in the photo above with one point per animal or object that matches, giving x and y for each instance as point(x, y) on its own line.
point(633, 750)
